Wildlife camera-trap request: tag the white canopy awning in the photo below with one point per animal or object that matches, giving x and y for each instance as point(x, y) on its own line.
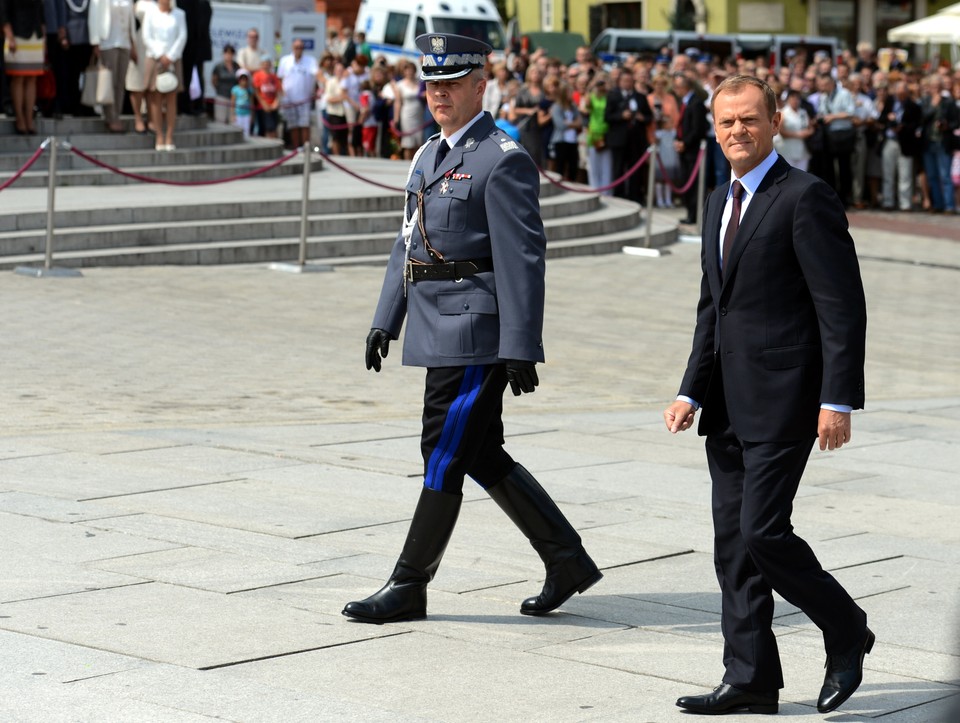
point(943, 27)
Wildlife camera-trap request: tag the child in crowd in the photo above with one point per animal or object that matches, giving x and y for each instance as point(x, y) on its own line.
point(241, 103)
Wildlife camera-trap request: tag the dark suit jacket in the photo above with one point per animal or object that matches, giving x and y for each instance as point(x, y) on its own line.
point(787, 322)
point(908, 131)
point(622, 132)
point(693, 125)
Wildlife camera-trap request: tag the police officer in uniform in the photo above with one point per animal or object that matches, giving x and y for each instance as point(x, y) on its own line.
point(467, 271)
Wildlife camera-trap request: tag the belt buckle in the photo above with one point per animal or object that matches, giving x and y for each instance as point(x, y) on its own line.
point(408, 275)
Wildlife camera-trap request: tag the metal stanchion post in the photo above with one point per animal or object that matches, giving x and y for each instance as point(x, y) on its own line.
point(302, 266)
point(651, 182)
point(645, 250)
point(51, 192)
point(305, 203)
point(701, 184)
point(48, 268)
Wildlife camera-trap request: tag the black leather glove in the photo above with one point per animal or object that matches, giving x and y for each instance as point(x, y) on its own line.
point(522, 376)
point(378, 344)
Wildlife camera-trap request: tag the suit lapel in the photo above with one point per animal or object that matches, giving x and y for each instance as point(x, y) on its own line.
point(761, 202)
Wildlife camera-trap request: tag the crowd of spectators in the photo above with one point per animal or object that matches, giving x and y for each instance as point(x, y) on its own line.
point(883, 138)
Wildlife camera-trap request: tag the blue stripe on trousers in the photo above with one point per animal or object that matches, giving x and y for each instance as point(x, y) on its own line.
point(453, 427)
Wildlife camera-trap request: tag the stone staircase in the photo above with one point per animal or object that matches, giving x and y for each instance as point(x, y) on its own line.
point(205, 150)
point(250, 221)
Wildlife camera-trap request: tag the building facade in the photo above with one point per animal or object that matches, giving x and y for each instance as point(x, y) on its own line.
point(851, 21)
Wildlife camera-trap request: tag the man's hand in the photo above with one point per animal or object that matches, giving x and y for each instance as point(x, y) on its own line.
point(679, 416)
point(833, 429)
point(378, 344)
point(522, 376)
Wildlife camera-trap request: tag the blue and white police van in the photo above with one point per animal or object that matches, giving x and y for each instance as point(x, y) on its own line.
point(392, 27)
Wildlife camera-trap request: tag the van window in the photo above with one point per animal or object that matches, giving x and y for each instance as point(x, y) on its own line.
point(396, 32)
point(421, 28)
point(603, 45)
point(487, 30)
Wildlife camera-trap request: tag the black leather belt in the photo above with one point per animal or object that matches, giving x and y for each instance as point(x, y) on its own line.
point(447, 270)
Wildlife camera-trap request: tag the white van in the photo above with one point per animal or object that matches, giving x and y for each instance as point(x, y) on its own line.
point(392, 27)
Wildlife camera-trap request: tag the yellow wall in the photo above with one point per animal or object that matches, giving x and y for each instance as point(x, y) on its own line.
point(722, 15)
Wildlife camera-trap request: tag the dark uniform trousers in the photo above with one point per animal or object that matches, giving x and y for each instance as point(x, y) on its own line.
point(756, 551)
point(463, 427)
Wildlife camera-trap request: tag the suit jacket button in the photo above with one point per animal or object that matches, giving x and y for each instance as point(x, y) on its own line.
point(466, 306)
point(723, 311)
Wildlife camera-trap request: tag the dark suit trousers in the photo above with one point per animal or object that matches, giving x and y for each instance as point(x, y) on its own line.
point(756, 551)
point(463, 427)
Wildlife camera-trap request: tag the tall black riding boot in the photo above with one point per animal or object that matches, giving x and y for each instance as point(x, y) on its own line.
point(404, 597)
point(569, 567)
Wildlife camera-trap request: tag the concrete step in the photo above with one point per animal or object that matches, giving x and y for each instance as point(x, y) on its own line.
point(188, 172)
point(383, 225)
point(336, 252)
point(239, 212)
point(89, 125)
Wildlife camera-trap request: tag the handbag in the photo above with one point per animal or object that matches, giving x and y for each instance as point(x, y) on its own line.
point(97, 86)
point(167, 82)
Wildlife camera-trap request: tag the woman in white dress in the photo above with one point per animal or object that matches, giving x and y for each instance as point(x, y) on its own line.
point(795, 128)
point(408, 109)
point(135, 84)
point(164, 38)
point(112, 31)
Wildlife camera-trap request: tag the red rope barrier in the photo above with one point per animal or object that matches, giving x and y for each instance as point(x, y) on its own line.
point(401, 134)
point(33, 159)
point(149, 179)
point(693, 173)
point(346, 170)
point(633, 169)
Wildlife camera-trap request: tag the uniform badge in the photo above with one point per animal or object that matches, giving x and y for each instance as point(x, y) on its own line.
point(508, 146)
point(470, 143)
point(444, 187)
point(438, 44)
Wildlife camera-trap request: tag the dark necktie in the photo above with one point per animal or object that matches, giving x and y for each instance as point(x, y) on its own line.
point(733, 224)
point(442, 151)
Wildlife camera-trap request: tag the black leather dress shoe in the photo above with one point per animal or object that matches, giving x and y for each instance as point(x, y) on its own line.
point(844, 674)
point(727, 699)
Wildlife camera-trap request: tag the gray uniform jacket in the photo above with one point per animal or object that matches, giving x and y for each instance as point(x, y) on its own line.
point(481, 203)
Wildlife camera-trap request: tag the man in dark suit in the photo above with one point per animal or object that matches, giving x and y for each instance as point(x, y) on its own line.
point(777, 362)
point(467, 272)
point(691, 130)
point(900, 122)
point(627, 115)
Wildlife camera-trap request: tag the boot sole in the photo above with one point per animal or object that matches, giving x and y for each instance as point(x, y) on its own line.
point(384, 621)
point(581, 588)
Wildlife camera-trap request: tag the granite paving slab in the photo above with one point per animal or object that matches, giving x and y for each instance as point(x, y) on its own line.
point(26, 658)
point(206, 569)
point(81, 476)
point(53, 509)
point(181, 626)
point(229, 694)
point(26, 576)
point(209, 460)
point(404, 671)
point(286, 510)
point(70, 543)
point(224, 539)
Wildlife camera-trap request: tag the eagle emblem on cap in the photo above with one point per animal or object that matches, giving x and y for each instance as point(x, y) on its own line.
point(438, 44)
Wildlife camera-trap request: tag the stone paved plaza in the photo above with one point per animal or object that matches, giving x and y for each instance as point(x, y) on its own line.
point(196, 473)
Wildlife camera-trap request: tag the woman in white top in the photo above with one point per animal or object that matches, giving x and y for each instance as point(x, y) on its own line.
point(164, 37)
point(111, 27)
point(795, 128)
